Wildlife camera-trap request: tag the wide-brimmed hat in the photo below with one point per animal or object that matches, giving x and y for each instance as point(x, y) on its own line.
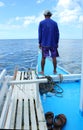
point(47, 13)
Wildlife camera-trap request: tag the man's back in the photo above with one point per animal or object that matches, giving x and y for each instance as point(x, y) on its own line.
point(49, 33)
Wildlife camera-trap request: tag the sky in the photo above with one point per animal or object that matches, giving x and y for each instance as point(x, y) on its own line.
point(19, 19)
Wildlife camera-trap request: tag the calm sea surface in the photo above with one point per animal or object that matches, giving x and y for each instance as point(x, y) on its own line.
point(24, 52)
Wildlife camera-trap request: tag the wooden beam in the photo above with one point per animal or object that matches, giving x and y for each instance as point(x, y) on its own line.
point(64, 77)
point(28, 81)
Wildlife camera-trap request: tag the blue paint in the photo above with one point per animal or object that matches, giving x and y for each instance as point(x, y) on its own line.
point(68, 104)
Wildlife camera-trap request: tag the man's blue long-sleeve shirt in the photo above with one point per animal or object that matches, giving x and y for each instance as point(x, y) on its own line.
point(48, 33)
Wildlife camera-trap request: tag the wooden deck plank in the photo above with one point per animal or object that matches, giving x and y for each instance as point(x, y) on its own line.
point(42, 126)
point(13, 115)
point(18, 88)
point(18, 75)
point(15, 90)
point(40, 112)
point(19, 115)
point(26, 115)
point(33, 118)
point(22, 75)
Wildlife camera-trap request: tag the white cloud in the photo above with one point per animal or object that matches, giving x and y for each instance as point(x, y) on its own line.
point(68, 11)
point(28, 20)
point(25, 21)
point(68, 16)
point(21, 21)
point(64, 3)
point(39, 17)
point(1, 4)
point(81, 19)
point(40, 1)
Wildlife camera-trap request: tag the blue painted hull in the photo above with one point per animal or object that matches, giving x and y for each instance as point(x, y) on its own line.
point(68, 103)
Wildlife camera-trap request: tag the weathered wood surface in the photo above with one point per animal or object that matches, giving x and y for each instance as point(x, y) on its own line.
point(25, 109)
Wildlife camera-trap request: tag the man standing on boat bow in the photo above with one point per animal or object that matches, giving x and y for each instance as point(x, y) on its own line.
point(48, 35)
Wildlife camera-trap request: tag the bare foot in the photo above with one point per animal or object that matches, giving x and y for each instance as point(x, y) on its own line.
point(55, 72)
point(42, 73)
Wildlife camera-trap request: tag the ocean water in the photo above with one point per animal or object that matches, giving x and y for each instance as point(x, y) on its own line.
point(23, 53)
point(71, 55)
point(20, 53)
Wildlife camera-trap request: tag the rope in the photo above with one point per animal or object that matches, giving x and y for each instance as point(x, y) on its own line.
point(51, 86)
point(58, 91)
